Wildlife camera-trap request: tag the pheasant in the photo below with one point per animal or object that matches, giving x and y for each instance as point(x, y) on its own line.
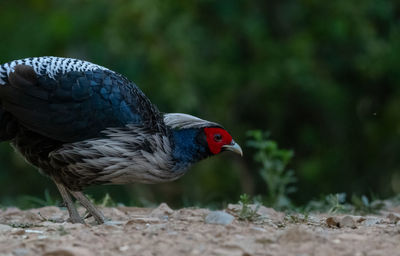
point(82, 124)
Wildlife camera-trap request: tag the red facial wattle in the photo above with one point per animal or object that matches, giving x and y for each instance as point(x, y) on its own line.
point(216, 138)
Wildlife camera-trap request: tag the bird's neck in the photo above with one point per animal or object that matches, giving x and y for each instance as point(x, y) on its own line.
point(188, 147)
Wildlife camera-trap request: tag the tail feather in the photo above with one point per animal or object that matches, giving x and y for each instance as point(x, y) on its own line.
point(8, 125)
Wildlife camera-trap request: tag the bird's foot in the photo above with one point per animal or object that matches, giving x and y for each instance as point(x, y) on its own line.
point(84, 201)
point(93, 211)
point(75, 220)
point(73, 212)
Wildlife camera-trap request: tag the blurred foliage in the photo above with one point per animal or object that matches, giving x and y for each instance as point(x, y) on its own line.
point(28, 201)
point(320, 76)
point(338, 203)
point(279, 180)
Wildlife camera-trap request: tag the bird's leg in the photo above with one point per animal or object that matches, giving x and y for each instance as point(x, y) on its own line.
point(73, 213)
point(85, 202)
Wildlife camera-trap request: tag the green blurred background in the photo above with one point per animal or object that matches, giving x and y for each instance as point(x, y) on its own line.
point(321, 76)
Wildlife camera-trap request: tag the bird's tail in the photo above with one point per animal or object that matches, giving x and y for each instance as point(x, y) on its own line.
point(2, 125)
point(8, 125)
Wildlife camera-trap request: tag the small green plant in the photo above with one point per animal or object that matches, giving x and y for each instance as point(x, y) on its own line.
point(247, 212)
point(274, 161)
point(107, 201)
point(336, 202)
point(332, 203)
point(298, 218)
point(23, 225)
point(364, 205)
point(31, 201)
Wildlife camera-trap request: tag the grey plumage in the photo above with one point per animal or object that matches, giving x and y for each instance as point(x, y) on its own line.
point(185, 121)
point(126, 155)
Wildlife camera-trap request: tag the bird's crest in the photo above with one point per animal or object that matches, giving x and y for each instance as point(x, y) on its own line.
point(185, 121)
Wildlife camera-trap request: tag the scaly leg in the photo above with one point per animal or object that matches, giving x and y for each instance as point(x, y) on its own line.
point(85, 202)
point(73, 213)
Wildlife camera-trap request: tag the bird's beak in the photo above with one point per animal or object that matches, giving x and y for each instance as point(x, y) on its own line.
point(234, 147)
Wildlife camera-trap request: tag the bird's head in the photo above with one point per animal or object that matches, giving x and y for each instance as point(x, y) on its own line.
point(218, 140)
point(195, 139)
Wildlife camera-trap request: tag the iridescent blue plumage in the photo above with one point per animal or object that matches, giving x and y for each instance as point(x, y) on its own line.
point(78, 105)
point(189, 147)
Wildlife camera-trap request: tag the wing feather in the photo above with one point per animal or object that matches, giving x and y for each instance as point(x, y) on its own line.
point(74, 106)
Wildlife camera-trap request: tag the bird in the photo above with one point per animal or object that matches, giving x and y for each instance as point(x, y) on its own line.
point(82, 124)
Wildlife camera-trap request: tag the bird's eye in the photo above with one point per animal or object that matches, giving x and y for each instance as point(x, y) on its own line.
point(217, 137)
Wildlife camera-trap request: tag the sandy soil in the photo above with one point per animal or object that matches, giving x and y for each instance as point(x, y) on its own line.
point(162, 231)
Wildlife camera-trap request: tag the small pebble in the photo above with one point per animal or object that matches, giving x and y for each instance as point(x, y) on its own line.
point(21, 252)
point(19, 232)
point(393, 217)
point(4, 228)
point(162, 211)
point(34, 231)
point(114, 223)
point(347, 222)
point(368, 222)
point(219, 217)
point(333, 222)
point(258, 229)
point(124, 248)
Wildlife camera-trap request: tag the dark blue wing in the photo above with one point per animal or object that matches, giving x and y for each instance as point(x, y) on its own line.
point(76, 105)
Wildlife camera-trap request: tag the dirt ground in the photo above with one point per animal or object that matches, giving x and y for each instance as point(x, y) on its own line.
point(163, 231)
